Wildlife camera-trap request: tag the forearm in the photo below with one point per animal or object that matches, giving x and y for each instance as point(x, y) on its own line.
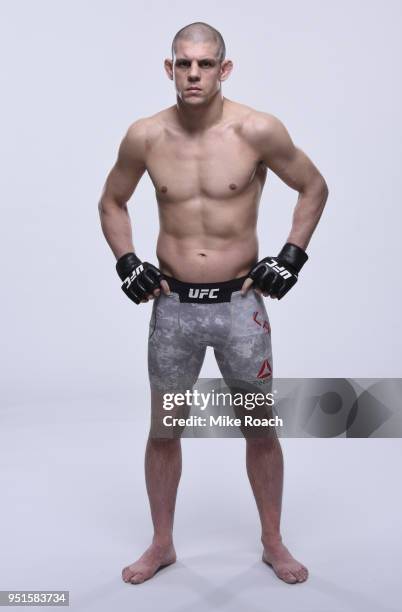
point(307, 213)
point(116, 226)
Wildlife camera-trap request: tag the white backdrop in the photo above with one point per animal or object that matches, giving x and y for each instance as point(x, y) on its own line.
point(75, 400)
point(75, 75)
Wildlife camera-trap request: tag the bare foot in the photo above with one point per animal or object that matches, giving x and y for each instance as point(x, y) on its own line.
point(284, 565)
point(153, 559)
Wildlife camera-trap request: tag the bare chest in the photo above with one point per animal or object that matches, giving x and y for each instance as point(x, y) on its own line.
point(218, 165)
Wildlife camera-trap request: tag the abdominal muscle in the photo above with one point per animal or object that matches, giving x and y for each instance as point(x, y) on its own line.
point(201, 260)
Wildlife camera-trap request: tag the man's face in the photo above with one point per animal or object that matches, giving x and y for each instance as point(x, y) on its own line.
point(196, 71)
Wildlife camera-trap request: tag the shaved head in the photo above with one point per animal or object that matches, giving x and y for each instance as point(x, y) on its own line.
point(200, 32)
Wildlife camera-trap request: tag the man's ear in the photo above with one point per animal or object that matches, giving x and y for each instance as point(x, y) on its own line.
point(226, 69)
point(168, 64)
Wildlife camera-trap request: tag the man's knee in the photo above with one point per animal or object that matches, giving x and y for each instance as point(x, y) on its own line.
point(166, 422)
point(161, 443)
point(263, 442)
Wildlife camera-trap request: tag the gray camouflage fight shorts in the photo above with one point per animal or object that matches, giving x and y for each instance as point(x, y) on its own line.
point(197, 315)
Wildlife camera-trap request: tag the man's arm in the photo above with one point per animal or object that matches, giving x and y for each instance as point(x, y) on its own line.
point(119, 187)
point(141, 280)
point(275, 276)
point(292, 165)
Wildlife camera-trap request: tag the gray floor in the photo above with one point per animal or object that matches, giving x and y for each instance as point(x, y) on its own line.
point(74, 512)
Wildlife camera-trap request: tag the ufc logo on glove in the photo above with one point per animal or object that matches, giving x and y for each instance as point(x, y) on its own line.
point(281, 269)
point(133, 275)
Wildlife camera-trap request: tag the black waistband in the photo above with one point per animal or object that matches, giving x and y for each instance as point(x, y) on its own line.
point(201, 293)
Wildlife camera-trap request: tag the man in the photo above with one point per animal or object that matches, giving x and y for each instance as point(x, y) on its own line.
point(207, 157)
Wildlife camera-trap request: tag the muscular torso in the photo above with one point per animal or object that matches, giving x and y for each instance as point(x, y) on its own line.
point(208, 188)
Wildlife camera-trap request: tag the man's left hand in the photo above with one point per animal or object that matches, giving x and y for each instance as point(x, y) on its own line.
point(275, 276)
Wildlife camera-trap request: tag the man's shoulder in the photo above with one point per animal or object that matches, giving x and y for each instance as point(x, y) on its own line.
point(146, 128)
point(258, 124)
point(261, 130)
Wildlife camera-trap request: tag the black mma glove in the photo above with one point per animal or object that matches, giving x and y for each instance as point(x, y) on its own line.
point(138, 277)
point(276, 275)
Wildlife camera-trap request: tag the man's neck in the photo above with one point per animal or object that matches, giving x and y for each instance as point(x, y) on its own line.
point(200, 118)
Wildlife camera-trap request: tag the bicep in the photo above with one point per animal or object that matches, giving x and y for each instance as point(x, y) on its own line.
point(288, 162)
point(128, 168)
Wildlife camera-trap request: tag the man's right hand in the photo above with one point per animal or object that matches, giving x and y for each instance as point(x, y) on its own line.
point(141, 280)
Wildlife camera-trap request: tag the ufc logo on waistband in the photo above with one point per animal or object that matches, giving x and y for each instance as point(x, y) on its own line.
point(281, 269)
point(127, 281)
point(201, 293)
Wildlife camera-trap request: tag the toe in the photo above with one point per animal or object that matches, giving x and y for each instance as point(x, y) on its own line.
point(302, 574)
point(287, 576)
point(137, 578)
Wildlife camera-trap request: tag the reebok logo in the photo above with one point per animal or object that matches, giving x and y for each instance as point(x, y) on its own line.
point(202, 293)
point(127, 281)
point(281, 269)
point(265, 370)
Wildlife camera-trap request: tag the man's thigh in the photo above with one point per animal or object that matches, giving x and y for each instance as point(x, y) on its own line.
point(246, 361)
point(174, 364)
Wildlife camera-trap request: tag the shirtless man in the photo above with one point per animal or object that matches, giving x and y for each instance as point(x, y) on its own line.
point(207, 158)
